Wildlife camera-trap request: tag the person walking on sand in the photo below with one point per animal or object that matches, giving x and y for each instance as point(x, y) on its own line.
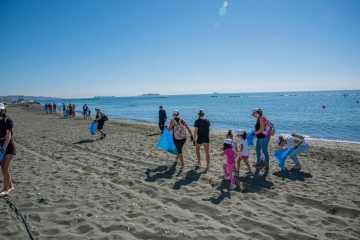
point(63, 107)
point(243, 152)
point(300, 146)
point(201, 132)
point(50, 108)
point(71, 108)
point(261, 142)
point(54, 107)
point(73, 112)
point(99, 119)
point(162, 118)
point(230, 154)
point(179, 127)
point(7, 148)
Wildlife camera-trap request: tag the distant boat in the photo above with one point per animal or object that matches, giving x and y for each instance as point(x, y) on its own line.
point(216, 93)
point(150, 94)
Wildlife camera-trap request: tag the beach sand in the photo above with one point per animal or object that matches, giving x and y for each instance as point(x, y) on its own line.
point(71, 185)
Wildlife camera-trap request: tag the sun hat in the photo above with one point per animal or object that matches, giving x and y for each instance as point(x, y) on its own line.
point(176, 112)
point(228, 141)
point(239, 132)
point(2, 106)
point(254, 110)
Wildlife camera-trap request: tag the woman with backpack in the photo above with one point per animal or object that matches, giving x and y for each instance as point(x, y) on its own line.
point(179, 127)
point(299, 144)
point(262, 131)
point(100, 120)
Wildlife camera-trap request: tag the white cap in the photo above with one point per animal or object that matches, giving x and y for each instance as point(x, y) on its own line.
point(176, 112)
point(228, 141)
point(239, 132)
point(254, 110)
point(96, 108)
point(201, 111)
point(2, 106)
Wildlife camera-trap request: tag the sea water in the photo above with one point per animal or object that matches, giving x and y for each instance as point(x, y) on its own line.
point(326, 115)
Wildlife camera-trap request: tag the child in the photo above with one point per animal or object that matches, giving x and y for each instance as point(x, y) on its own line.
point(244, 152)
point(229, 165)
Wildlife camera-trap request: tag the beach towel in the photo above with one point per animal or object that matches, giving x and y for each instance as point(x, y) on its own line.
point(166, 142)
point(281, 155)
point(250, 138)
point(93, 127)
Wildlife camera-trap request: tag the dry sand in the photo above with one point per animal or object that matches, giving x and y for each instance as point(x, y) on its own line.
point(70, 185)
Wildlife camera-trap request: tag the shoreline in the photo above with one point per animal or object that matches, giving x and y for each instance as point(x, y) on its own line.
point(71, 185)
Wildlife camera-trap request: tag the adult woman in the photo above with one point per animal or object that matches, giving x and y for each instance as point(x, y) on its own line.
point(99, 119)
point(300, 146)
point(261, 142)
point(7, 147)
point(179, 127)
point(201, 132)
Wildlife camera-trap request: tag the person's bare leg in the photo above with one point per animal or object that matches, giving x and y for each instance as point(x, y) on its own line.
point(5, 166)
point(247, 165)
point(181, 158)
point(206, 148)
point(197, 149)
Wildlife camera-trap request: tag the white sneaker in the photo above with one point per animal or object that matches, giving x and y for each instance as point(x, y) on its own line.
point(226, 178)
point(233, 186)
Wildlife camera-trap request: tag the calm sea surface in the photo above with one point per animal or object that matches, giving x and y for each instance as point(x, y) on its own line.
point(300, 112)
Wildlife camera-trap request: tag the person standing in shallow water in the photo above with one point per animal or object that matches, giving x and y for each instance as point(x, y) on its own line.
point(162, 118)
point(201, 133)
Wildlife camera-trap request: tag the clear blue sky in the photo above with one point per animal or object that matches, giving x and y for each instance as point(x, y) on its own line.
point(83, 48)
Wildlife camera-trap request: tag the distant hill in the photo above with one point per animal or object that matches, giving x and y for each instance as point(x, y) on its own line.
point(15, 98)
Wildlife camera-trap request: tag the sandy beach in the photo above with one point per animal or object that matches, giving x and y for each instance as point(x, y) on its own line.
point(71, 185)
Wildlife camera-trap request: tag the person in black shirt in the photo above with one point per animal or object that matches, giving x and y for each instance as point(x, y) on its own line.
point(7, 149)
point(99, 119)
point(162, 118)
point(201, 132)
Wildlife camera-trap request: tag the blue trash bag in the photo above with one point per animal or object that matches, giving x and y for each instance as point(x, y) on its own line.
point(93, 127)
point(1, 155)
point(47, 111)
point(166, 142)
point(250, 138)
point(281, 155)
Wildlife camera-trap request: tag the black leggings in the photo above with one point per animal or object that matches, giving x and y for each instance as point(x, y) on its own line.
point(179, 144)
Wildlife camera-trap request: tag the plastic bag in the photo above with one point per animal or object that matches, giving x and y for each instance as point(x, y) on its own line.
point(281, 155)
point(166, 142)
point(93, 127)
point(250, 138)
point(1, 155)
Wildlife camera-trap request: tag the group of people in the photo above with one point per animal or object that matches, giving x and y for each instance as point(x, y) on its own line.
point(86, 112)
point(50, 107)
point(234, 152)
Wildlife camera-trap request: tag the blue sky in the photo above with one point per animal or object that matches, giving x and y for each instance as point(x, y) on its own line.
point(83, 48)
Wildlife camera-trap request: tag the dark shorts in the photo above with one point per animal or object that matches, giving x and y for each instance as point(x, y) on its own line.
point(10, 148)
point(100, 125)
point(202, 139)
point(179, 144)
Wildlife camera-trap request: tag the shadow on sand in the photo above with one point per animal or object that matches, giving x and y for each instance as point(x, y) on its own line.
point(160, 172)
point(293, 175)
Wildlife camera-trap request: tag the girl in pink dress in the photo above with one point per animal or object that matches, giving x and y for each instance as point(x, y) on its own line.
point(228, 166)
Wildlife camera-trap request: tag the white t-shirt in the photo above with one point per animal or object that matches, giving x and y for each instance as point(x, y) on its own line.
point(290, 141)
point(245, 151)
point(234, 145)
